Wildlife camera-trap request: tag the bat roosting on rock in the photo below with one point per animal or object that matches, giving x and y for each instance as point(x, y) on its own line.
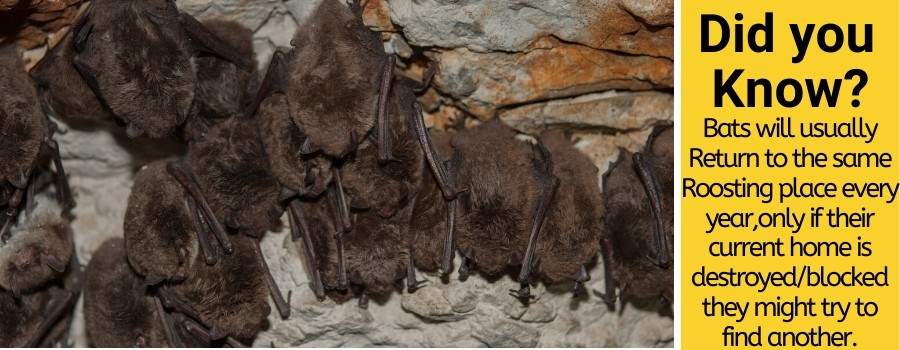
point(638, 238)
point(136, 56)
point(27, 142)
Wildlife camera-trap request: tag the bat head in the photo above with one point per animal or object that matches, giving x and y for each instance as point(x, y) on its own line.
point(22, 125)
point(158, 231)
point(118, 312)
point(38, 252)
point(334, 79)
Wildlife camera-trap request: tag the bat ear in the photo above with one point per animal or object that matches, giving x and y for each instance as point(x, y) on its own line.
point(205, 42)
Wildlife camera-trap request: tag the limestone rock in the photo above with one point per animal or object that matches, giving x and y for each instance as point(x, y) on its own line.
point(484, 82)
point(608, 111)
point(635, 27)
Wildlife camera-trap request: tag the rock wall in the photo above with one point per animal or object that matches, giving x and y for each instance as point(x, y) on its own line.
point(600, 68)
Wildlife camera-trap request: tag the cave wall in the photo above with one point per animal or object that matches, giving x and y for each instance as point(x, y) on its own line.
point(600, 68)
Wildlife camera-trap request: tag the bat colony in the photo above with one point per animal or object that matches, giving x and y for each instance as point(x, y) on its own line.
point(329, 135)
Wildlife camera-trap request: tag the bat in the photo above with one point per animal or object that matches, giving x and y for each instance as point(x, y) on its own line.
point(572, 230)
point(638, 236)
point(28, 141)
point(334, 78)
point(501, 215)
point(119, 310)
point(136, 56)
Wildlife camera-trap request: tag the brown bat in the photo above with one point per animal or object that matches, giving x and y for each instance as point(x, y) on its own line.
point(162, 223)
point(119, 311)
point(638, 226)
point(28, 140)
point(334, 79)
point(38, 252)
point(572, 228)
point(40, 317)
point(161, 229)
point(503, 211)
point(228, 298)
point(136, 56)
point(228, 175)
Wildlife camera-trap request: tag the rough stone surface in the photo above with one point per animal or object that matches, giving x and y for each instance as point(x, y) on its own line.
point(484, 81)
point(636, 27)
point(608, 111)
point(600, 68)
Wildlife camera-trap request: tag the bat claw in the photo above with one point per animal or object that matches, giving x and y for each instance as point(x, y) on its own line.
point(608, 298)
point(413, 287)
point(523, 294)
point(308, 148)
point(578, 289)
point(363, 301)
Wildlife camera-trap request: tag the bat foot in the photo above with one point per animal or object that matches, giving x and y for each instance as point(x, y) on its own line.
point(464, 271)
point(363, 301)
point(523, 294)
point(578, 290)
point(413, 287)
point(608, 298)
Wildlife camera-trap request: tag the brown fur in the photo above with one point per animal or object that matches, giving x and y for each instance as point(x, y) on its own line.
point(570, 236)
point(158, 225)
point(142, 70)
point(66, 91)
point(232, 171)
point(24, 260)
point(376, 252)
point(429, 219)
point(118, 312)
point(307, 175)
point(21, 317)
point(386, 188)
point(231, 295)
point(137, 58)
point(23, 127)
point(496, 212)
point(629, 226)
point(224, 90)
point(334, 75)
